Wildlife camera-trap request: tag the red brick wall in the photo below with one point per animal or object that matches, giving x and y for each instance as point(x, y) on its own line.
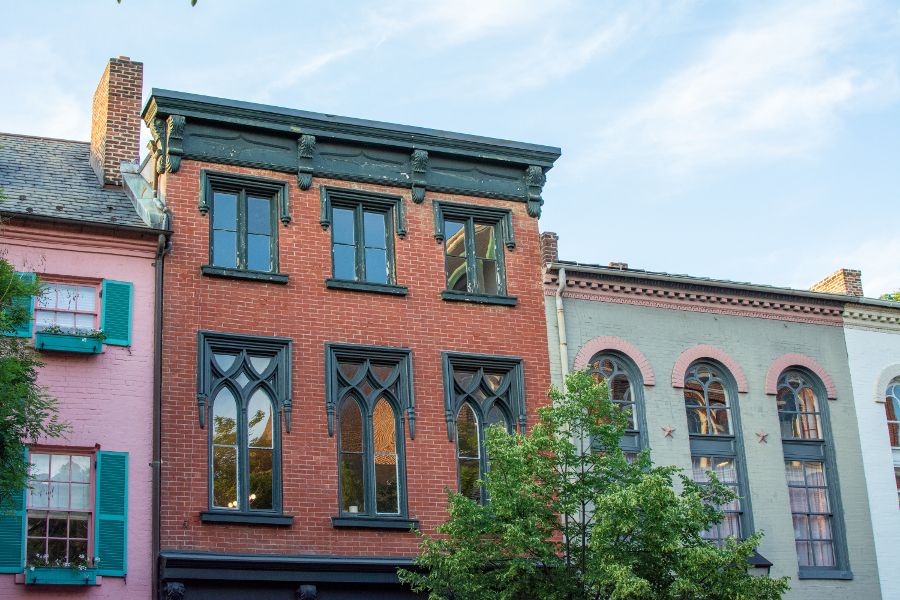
point(311, 314)
point(842, 281)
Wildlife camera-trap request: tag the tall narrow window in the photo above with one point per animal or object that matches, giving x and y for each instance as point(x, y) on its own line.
point(625, 392)
point(247, 381)
point(714, 429)
point(481, 391)
point(370, 389)
point(60, 507)
point(809, 471)
point(892, 412)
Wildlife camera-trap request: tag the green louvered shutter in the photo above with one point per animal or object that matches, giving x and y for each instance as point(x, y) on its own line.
point(111, 517)
point(24, 330)
point(116, 320)
point(12, 534)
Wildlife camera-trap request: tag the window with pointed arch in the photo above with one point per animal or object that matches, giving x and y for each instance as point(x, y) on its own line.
point(810, 474)
point(481, 391)
point(246, 382)
point(370, 390)
point(710, 399)
point(892, 412)
point(626, 392)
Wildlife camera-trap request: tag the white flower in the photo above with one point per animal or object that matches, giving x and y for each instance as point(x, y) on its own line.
point(31, 567)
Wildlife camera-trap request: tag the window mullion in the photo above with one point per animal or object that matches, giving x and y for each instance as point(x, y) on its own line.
point(360, 249)
point(241, 242)
point(369, 461)
point(243, 456)
point(471, 260)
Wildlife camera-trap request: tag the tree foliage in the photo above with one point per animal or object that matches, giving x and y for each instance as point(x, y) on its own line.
point(893, 296)
point(27, 413)
point(570, 522)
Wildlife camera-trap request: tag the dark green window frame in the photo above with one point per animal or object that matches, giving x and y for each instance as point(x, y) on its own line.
point(243, 186)
point(383, 374)
point(634, 439)
point(816, 450)
point(242, 378)
point(470, 216)
point(361, 202)
point(503, 402)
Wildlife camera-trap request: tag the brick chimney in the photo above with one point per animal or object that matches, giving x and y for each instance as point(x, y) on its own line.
point(116, 119)
point(549, 250)
point(843, 281)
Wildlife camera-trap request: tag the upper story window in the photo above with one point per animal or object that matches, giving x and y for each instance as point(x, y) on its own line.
point(809, 470)
point(481, 391)
point(892, 411)
point(370, 389)
point(474, 238)
point(67, 306)
point(247, 382)
point(243, 229)
point(626, 392)
point(714, 429)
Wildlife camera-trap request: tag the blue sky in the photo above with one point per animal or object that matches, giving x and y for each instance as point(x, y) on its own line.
point(754, 141)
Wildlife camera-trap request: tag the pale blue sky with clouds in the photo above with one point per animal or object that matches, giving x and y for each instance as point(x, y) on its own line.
point(754, 141)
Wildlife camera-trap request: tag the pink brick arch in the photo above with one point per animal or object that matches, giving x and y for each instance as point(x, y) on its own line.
point(798, 360)
point(608, 342)
point(710, 352)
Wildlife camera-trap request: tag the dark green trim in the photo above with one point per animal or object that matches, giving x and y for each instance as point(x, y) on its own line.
point(266, 185)
point(824, 573)
point(365, 286)
point(374, 523)
point(633, 440)
point(479, 298)
point(212, 516)
point(329, 196)
point(481, 214)
point(212, 271)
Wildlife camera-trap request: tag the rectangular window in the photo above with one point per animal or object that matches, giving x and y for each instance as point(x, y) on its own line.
point(60, 503)
point(244, 213)
point(811, 512)
point(725, 470)
point(362, 244)
point(67, 306)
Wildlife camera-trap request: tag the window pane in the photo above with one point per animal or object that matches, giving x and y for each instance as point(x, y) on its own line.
point(786, 400)
point(352, 490)
point(716, 394)
point(485, 246)
point(86, 298)
point(39, 495)
point(59, 467)
point(225, 490)
point(488, 280)
point(43, 319)
point(467, 433)
point(77, 549)
point(345, 262)
point(376, 265)
point(457, 278)
point(224, 361)
point(374, 225)
point(65, 297)
point(259, 420)
point(261, 479)
point(40, 466)
point(794, 472)
point(385, 444)
point(807, 401)
point(822, 553)
point(455, 238)
point(225, 418)
point(820, 528)
point(81, 468)
point(78, 526)
point(801, 527)
point(37, 524)
point(351, 427)
point(496, 416)
point(58, 525)
point(65, 320)
point(79, 496)
point(818, 500)
point(47, 299)
point(259, 215)
point(259, 252)
point(697, 420)
point(815, 473)
point(36, 547)
point(260, 363)
point(57, 550)
point(84, 321)
point(224, 211)
point(225, 249)
point(798, 500)
point(719, 420)
point(469, 474)
point(342, 226)
point(384, 428)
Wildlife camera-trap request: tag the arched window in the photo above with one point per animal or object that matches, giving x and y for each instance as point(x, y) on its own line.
point(892, 410)
point(714, 429)
point(625, 391)
point(481, 391)
point(809, 469)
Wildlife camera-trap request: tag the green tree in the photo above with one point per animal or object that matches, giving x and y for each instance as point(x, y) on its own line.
point(27, 413)
point(893, 296)
point(568, 522)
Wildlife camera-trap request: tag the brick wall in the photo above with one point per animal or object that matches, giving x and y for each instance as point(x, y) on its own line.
point(115, 118)
point(311, 315)
point(842, 281)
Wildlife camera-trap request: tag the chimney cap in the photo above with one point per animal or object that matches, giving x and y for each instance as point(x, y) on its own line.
point(618, 265)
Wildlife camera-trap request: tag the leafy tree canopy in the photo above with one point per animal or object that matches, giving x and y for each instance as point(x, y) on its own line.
point(570, 522)
point(894, 296)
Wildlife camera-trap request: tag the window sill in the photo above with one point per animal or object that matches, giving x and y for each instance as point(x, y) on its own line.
point(63, 342)
point(59, 576)
point(274, 519)
point(824, 573)
point(375, 523)
point(366, 286)
point(455, 296)
point(242, 274)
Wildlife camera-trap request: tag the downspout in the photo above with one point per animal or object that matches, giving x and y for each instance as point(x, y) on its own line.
point(561, 325)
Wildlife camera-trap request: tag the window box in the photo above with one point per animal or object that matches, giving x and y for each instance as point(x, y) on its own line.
point(60, 576)
point(64, 342)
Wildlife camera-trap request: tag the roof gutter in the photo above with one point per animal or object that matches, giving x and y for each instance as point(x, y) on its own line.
point(95, 224)
point(561, 326)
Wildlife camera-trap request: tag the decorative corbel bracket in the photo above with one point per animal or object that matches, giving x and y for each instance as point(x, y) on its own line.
point(534, 182)
point(288, 407)
point(306, 150)
point(307, 592)
point(201, 409)
point(174, 142)
point(158, 145)
point(448, 417)
point(419, 164)
point(411, 419)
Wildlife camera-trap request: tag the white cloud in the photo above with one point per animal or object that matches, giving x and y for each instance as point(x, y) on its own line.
point(774, 86)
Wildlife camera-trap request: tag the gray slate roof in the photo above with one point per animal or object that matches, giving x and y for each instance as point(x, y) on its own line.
point(47, 177)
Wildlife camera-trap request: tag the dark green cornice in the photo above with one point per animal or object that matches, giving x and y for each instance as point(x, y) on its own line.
point(191, 126)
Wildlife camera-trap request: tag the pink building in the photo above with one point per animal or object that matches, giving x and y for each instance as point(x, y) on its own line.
point(69, 218)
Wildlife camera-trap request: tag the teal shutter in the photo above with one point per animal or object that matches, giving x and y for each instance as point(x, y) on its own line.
point(12, 534)
point(111, 516)
point(24, 330)
point(116, 319)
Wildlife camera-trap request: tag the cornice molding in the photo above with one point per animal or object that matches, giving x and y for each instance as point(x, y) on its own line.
point(867, 317)
point(696, 298)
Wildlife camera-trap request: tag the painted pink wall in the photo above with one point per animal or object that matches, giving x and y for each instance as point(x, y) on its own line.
point(107, 398)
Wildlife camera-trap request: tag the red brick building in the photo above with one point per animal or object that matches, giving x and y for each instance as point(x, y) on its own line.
point(347, 304)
